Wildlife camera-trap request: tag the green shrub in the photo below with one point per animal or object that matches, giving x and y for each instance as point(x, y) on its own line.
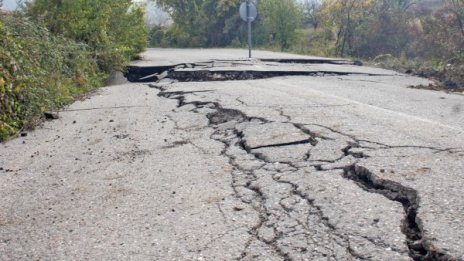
point(38, 72)
point(114, 29)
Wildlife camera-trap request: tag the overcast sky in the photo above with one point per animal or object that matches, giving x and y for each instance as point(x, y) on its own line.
point(9, 4)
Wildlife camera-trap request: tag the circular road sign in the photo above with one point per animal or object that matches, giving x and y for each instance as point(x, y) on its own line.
point(243, 12)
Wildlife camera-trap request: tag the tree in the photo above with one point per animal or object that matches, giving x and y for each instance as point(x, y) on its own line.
point(458, 10)
point(367, 28)
point(346, 17)
point(310, 8)
point(282, 18)
point(202, 22)
point(441, 35)
point(386, 31)
point(115, 29)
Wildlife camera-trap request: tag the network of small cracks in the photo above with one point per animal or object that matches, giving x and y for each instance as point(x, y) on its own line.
point(419, 247)
point(233, 138)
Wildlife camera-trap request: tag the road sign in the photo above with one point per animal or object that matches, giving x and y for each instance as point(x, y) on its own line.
point(248, 13)
point(253, 12)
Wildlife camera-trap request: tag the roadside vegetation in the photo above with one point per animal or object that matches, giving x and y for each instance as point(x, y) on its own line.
point(53, 52)
point(423, 37)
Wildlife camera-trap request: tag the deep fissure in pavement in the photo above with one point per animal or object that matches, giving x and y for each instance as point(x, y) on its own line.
point(230, 75)
point(285, 144)
point(419, 247)
point(233, 138)
point(312, 61)
point(199, 72)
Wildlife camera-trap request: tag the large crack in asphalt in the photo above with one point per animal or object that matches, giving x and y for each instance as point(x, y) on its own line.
point(233, 139)
point(201, 71)
point(245, 177)
point(232, 75)
point(419, 247)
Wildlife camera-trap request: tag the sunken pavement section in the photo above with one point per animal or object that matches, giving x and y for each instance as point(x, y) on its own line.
point(311, 175)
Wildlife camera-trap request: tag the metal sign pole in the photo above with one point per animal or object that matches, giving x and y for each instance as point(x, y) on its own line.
point(249, 27)
point(248, 13)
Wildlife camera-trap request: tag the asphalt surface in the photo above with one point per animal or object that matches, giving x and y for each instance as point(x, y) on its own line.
point(281, 157)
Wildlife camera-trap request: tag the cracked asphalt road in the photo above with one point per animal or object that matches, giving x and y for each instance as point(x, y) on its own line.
point(220, 158)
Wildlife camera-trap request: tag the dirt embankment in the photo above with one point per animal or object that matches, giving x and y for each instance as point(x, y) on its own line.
point(450, 79)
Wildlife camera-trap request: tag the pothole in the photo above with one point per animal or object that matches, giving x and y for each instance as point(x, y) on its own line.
point(225, 115)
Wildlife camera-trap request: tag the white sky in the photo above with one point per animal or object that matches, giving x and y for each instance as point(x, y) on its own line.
point(9, 4)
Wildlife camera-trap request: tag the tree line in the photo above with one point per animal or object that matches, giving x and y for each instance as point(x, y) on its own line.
point(212, 23)
point(358, 28)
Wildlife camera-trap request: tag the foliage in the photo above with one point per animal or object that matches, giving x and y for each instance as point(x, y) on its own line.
point(386, 31)
point(347, 19)
point(424, 38)
point(319, 41)
point(310, 15)
point(198, 23)
point(357, 28)
point(282, 18)
point(441, 34)
point(211, 23)
point(368, 28)
point(39, 71)
point(63, 49)
point(114, 29)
